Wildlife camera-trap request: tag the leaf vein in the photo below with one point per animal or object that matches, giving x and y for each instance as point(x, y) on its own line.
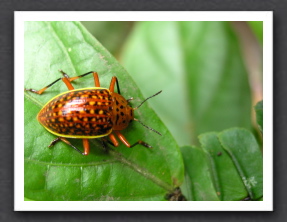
point(70, 164)
point(144, 172)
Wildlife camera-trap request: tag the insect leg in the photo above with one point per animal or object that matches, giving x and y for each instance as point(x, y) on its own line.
point(96, 80)
point(124, 140)
point(112, 85)
point(42, 90)
point(66, 80)
point(113, 141)
point(67, 142)
point(86, 145)
point(95, 74)
point(141, 143)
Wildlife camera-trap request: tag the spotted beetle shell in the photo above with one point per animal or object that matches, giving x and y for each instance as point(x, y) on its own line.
point(85, 113)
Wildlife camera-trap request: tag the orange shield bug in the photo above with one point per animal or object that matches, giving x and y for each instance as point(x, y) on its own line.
point(88, 113)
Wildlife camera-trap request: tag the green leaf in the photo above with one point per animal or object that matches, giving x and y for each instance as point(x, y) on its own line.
point(199, 67)
point(217, 79)
point(257, 28)
point(242, 146)
point(60, 173)
point(198, 184)
point(259, 115)
point(228, 183)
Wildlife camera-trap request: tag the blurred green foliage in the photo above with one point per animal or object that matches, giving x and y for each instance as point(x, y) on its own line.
point(111, 34)
point(257, 28)
point(259, 114)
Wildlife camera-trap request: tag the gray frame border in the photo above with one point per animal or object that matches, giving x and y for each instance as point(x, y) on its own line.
point(7, 114)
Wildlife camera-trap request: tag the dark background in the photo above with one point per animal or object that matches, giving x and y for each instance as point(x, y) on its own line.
point(7, 108)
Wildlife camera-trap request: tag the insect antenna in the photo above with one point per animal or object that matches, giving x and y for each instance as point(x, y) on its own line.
point(147, 99)
point(148, 127)
point(140, 106)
